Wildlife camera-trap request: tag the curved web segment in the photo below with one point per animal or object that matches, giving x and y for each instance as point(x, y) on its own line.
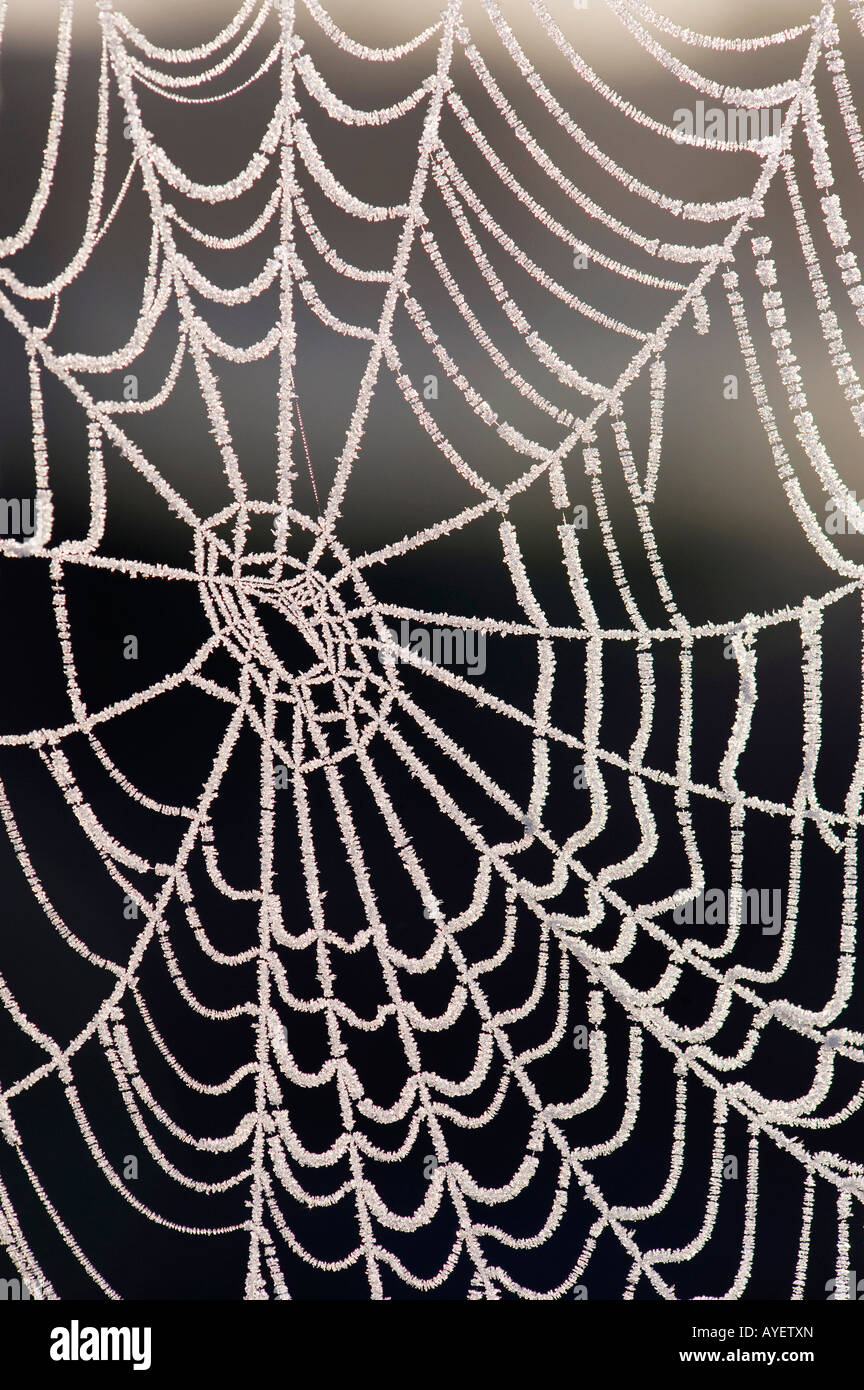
point(338, 735)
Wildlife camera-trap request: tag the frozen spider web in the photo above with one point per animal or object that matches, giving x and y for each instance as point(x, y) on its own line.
point(409, 1109)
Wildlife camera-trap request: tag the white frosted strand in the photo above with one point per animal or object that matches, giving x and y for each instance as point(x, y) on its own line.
point(542, 350)
point(188, 55)
point(213, 192)
point(850, 273)
point(846, 103)
point(168, 94)
point(352, 115)
point(803, 1258)
point(509, 372)
point(359, 50)
point(58, 923)
point(466, 763)
point(37, 416)
point(566, 374)
point(655, 436)
point(538, 1237)
point(630, 1109)
point(218, 243)
point(844, 369)
point(124, 1060)
point(89, 237)
point(320, 310)
point(790, 375)
point(842, 1285)
point(478, 403)
point(678, 207)
point(449, 807)
point(592, 463)
point(752, 97)
point(280, 1287)
point(9, 245)
point(326, 251)
point(217, 294)
point(216, 412)
point(595, 1196)
point(645, 665)
point(558, 486)
point(414, 217)
point(852, 807)
point(811, 640)
point(655, 564)
point(650, 245)
point(155, 159)
point(518, 574)
point(422, 1214)
point(63, 1230)
point(325, 978)
point(299, 1250)
point(592, 468)
point(834, 220)
point(446, 172)
point(701, 316)
point(346, 627)
point(624, 1237)
point(801, 508)
point(211, 859)
point(412, 398)
point(684, 760)
point(142, 407)
point(255, 1283)
point(413, 1280)
point(133, 1110)
point(676, 1162)
point(715, 1184)
point(154, 918)
point(485, 1049)
point(11, 1236)
point(737, 96)
point(748, 1244)
point(363, 1191)
point(176, 80)
point(745, 657)
point(688, 36)
point(815, 132)
point(545, 968)
point(539, 212)
point(619, 429)
point(673, 317)
point(287, 394)
point(124, 356)
point(473, 399)
point(334, 190)
point(43, 518)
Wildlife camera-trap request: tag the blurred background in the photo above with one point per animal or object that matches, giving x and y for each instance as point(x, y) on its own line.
point(729, 543)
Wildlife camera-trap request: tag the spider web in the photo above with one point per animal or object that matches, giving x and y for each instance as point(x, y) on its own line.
point(362, 1130)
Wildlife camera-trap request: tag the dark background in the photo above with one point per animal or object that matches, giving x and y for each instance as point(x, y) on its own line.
point(729, 544)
